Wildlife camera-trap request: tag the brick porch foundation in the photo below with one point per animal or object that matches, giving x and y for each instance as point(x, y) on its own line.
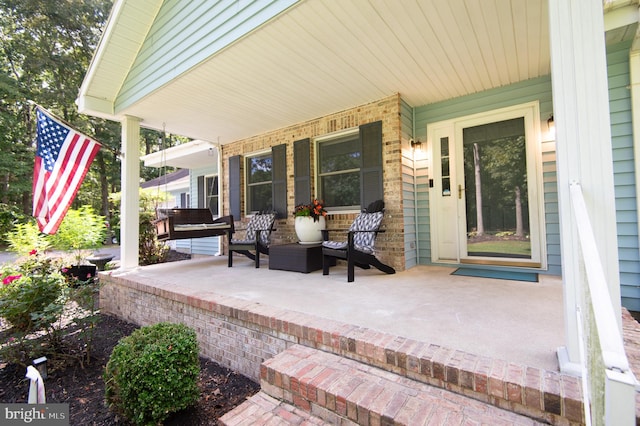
point(241, 335)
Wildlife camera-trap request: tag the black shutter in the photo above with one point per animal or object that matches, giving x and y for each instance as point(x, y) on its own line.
point(279, 179)
point(371, 188)
point(202, 193)
point(302, 171)
point(234, 186)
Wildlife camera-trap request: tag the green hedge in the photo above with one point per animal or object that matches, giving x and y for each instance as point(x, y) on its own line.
point(153, 373)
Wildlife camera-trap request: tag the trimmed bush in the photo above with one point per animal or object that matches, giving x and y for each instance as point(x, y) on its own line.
point(153, 373)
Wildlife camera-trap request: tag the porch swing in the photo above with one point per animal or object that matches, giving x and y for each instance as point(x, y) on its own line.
point(186, 223)
point(177, 224)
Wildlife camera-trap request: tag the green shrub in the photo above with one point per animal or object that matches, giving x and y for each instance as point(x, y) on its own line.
point(153, 373)
point(32, 295)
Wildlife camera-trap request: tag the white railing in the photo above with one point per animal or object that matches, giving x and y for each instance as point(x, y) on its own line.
point(605, 363)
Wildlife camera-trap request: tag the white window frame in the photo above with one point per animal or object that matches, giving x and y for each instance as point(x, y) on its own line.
point(247, 158)
point(346, 133)
point(212, 178)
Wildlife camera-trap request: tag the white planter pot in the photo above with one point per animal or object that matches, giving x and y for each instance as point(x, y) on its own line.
point(308, 230)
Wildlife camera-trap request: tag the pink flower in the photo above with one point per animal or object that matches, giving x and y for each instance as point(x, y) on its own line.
point(10, 278)
point(33, 252)
point(64, 270)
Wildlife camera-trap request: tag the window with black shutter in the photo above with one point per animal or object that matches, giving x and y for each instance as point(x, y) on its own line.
point(350, 168)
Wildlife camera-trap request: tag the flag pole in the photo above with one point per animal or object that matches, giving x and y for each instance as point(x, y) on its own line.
point(66, 123)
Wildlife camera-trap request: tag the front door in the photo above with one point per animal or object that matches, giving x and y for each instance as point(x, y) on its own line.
point(485, 199)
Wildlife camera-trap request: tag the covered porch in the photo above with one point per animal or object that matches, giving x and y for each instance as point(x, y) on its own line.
point(489, 340)
point(249, 91)
point(511, 320)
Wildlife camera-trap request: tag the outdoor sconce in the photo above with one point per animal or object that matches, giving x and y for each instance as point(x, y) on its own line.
point(416, 145)
point(40, 364)
point(551, 125)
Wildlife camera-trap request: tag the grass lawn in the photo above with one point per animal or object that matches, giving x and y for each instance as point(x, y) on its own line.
point(511, 247)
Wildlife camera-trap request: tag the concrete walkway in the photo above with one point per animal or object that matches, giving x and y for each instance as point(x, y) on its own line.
point(510, 320)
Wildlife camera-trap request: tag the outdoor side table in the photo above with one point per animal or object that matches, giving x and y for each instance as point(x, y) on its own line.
point(296, 257)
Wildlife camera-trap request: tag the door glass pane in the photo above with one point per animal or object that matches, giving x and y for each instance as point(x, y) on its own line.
point(444, 164)
point(495, 189)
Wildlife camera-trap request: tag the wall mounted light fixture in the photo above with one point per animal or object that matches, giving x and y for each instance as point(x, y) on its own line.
point(416, 145)
point(551, 124)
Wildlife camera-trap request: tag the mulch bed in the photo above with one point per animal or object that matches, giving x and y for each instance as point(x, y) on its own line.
point(81, 385)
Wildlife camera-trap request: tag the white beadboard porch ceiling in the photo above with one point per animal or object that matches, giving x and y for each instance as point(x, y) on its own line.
point(323, 56)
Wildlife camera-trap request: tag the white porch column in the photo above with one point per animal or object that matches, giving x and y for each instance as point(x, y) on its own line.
point(130, 205)
point(583, 142)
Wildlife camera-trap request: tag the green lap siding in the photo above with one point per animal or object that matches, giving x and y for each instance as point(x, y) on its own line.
point(186, 33)
point(624, 174)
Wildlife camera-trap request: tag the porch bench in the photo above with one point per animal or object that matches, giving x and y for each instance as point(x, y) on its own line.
point(176, 224)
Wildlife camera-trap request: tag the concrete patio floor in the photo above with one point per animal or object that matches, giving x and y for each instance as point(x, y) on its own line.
point(510, 320)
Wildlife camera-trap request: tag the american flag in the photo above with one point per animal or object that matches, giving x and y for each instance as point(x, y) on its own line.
point(63, 157)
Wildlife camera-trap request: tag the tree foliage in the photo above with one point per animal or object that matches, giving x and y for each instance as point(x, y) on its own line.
point(45, 50)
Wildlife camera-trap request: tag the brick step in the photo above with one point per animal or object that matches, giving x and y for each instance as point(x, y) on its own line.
point(262, 409)
point(343, 391)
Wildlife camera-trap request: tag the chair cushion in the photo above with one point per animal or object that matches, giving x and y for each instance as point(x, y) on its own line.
point(336, 245)
point(260, 221)
point(366, 222)
point(362, 241)
point(251, 242)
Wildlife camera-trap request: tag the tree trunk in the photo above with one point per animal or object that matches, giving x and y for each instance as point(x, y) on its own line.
point(476, 166)
point(519, 226)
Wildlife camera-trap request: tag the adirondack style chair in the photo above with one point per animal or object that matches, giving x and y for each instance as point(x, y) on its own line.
point(257, 238)
point(359, 249)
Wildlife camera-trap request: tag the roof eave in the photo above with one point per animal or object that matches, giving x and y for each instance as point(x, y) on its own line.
point(103, 106)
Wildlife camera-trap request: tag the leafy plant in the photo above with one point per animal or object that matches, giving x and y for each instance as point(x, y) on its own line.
point(32, 293)
point(85, 314)
point(10, 215)
point(150, 250)
point(39, 304)
point(26, 237)
point(80, 230)
point(153, 373)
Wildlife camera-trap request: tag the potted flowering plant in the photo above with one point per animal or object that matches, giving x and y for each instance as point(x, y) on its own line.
point(310, 221)
point(314, 210)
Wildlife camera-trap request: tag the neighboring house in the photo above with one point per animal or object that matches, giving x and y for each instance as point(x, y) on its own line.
point(175, 185)
point(332, 99)
point(197, 186)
